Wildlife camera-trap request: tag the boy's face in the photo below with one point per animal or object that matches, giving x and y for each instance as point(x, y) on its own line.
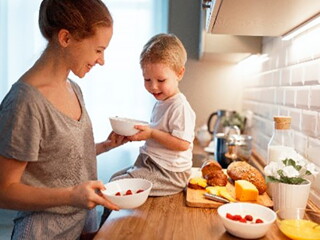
point(160, 80)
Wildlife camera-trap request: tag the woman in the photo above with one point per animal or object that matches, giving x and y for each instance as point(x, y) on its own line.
point(47, 150)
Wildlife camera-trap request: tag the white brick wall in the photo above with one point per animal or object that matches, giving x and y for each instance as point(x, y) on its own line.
point(288, 84)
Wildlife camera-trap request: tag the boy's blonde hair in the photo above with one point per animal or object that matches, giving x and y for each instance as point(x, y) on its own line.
point(166, 49)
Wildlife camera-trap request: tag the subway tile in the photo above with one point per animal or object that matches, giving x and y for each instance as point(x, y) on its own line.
point(297, 75)
point(280, 96)
point(314, 35)
point(300, 142)
point(309, 122)
point(303, 47)
point(285, 76)
point(312, 72)
point(291, 59)
point(268, 95)
point(295, 118)
point(302, 97)
point(289, 96)
point(284, 111)
point(276, 76)
point(294, 71)
point(313, 151)
point(282, 57)
point(274, 111)
point(266, 79)
point(318, 126)
point(315, 98)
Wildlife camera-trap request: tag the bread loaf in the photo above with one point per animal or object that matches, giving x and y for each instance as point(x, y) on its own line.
point(212, 172)
point(209, 167)
point(217, 178)
point(240, 170)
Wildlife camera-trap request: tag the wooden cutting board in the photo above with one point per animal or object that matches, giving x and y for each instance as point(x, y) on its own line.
point(195, 198)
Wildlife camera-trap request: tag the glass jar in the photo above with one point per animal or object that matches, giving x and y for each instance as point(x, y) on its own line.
point(281, 141)
point(280, 144)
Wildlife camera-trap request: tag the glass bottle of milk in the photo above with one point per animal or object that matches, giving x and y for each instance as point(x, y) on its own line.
point(280, 144)
point(281, 141)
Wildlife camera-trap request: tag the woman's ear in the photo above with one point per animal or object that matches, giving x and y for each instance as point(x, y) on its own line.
point(181, 73)
point(64, 37)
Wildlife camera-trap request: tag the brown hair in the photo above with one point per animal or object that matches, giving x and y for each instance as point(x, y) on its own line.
point(166, 49)
point(79, 17)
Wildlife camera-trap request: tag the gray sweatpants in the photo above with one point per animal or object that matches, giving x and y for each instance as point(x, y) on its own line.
point(165, 182)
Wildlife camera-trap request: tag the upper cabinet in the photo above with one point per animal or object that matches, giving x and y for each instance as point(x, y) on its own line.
point(257, 17)
point(186, 20)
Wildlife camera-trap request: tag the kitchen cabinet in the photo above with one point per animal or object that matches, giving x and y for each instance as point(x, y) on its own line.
point(187, 20)
point(258, 18)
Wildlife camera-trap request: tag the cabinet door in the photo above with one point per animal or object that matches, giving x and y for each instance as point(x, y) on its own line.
point(186, 20)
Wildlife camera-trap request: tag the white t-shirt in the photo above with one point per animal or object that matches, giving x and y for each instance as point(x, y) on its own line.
point(175, 116)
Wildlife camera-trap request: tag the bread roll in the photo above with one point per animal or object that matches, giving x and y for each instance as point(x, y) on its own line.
point(240, 170)
point(212, 172)
point(217, 178)
point(209, 167)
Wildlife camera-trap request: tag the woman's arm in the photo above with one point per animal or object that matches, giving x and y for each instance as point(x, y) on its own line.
point(18, 196)
point(164, 138)
point(113, 140)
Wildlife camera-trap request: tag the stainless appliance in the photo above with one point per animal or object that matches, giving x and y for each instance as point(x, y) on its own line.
point(232, 147)
point(217, 120)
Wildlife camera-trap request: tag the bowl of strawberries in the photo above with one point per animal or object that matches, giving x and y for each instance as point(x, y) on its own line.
point(128, 193)
point(246, 220)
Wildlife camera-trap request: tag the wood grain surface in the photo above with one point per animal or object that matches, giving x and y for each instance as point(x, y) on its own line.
point(168, 218)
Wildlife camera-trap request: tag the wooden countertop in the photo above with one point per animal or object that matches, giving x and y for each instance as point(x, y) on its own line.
point(168, 218)
point(165, 218)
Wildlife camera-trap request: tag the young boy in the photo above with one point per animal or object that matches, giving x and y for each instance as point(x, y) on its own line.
point(166, 157)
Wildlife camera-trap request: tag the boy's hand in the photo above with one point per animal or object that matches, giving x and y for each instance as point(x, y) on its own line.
point(144, 134)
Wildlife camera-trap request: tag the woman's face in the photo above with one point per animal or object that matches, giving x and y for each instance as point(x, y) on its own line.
point(86, 53)
point(160, 80)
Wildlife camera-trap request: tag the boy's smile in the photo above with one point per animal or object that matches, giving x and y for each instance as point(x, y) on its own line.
point(160, 80)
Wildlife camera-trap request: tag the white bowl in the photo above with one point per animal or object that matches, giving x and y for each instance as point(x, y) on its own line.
point(121, 186)
point(125, 126)
point(248, 230)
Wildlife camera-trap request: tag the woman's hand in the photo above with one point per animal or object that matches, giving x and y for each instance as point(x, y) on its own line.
point(88, 195)
point(145, 132)
point(113, 140)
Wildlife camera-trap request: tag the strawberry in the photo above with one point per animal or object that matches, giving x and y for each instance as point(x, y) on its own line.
point(139, 191)
point(118, 194)
point(259, 220)
point(230, 216)
point(248, 217)
point(237, 217)
point(128, 192)
point(243, 220)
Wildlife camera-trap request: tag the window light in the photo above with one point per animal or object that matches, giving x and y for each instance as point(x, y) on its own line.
point(301, 28)
point(255, 58)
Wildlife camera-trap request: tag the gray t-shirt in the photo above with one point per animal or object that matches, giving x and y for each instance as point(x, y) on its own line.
point(60, 151)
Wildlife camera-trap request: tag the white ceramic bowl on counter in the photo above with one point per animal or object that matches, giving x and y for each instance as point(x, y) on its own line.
point(250, 229)
point(116, 192)
point(125, 126)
